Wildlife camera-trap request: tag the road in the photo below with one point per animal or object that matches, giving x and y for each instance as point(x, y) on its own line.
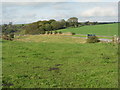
point(101, 39)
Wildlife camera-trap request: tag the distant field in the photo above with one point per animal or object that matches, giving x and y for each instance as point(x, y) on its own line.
point(104, 29)
point(59, 62)
point(51, 39)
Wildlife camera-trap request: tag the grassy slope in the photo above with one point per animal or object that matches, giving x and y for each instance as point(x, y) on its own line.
point(27, 64)
point(105, 29)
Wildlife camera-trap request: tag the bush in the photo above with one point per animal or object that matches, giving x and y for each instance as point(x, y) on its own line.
point(60, 32)
point(73, 33)
point(55, 32)
point(51, 32)
point(93, 39)
point(12, 35)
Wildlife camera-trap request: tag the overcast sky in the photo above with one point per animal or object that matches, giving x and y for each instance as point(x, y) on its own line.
point(28, 11)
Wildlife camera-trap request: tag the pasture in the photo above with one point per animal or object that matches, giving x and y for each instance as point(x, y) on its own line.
point(58, 62)
point(50, 39)
point(103, 29)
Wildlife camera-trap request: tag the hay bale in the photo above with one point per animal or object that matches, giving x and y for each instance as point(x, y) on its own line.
point(116, 39)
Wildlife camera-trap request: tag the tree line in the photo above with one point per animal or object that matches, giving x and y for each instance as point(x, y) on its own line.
point(41, 27)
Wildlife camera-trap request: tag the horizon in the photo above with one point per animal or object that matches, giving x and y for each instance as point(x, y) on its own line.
point(78, 22)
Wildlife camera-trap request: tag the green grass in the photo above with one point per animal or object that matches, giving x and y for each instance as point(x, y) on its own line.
point(104, 29)
point(38, 64)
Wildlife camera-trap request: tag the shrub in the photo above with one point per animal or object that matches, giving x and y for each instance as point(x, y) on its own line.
point(51, 32)
point(55, 32)
point(73, 33)
point(12, 35)
point(93, 39)
point(60, 32)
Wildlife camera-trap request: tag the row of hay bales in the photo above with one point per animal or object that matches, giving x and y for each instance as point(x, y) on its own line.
point(115, 38)
point(67, 33)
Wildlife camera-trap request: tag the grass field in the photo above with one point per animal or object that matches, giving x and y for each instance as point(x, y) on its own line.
point(104, 29)
point(62, 62)
point(51, 39)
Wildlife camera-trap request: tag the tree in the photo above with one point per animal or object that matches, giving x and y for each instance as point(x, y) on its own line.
point(48, 27)
point(73, 21)
point(42, 30)
point(94, 23)
point(31, 28)
point(34, 28)
point(63, 23)
point(51, 20)
point(56, 25)
point(87, 23)
point(9, 28)
point(4, 28)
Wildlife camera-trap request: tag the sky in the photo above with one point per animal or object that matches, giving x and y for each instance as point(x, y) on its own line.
point(27, 11)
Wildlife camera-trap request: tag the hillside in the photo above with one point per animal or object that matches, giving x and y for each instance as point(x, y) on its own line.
point(104, 29)
point(58, 62)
